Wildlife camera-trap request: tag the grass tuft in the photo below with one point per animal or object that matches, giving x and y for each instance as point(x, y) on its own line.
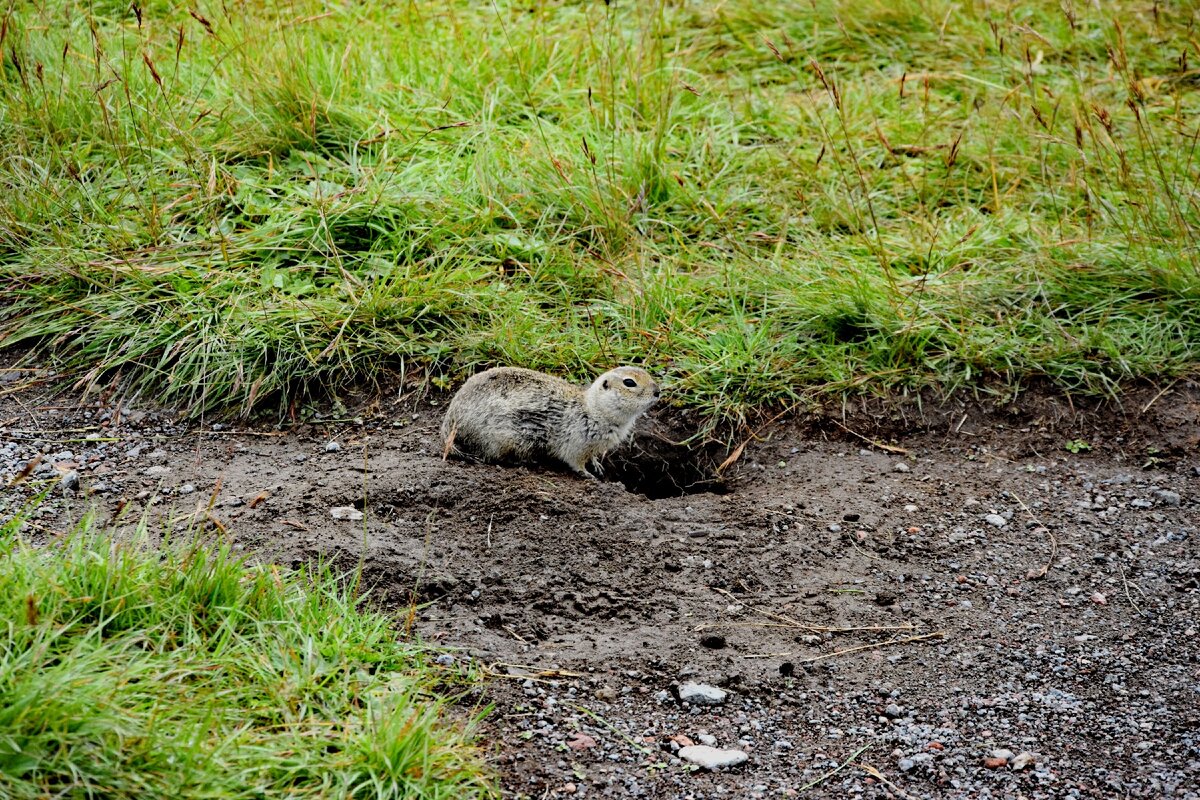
point(239, 206)
point(127, 672)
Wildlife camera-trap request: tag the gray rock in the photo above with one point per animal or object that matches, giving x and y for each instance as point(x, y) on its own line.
point(708, 739)
point(69, 481)
point(444, 660)
point(900, 466)
point(893, 711)
point(996, 520)
point(701, 694)
point(332, 447)
point(712, 758)
point(157, 471)
point(187, 488)
point(1004, 753)
point(1168, 497)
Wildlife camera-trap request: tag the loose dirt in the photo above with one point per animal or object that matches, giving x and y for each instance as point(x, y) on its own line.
point(900, 598)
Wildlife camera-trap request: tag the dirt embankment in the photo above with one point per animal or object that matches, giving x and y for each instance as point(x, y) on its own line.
point(1002, 601)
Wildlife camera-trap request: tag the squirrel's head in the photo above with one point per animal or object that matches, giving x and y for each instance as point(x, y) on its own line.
point(622, 394)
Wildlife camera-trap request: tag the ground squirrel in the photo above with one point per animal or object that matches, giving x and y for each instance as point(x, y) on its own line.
point(509, 412)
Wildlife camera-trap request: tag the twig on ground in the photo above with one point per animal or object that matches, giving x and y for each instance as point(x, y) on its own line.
point(1035, 574)
point(900, 451)
point(835, 770)
point(628, 739)
point(536, 674)
point(242, 433)
point(737, 451)
point(1154, 399)
point(860, 648)
point(874, 773)
point(515, 635)
point(1128, 596)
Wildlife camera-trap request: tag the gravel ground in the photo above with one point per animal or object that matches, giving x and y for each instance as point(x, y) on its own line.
point(1007, 608)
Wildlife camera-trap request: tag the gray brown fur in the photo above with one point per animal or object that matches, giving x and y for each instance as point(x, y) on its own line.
point(520, 414)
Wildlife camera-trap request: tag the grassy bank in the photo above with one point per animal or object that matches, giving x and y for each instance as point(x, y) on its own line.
point(235, 205)
point(185, 673)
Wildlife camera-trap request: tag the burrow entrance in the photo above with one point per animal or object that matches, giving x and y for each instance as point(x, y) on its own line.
point(659, 468)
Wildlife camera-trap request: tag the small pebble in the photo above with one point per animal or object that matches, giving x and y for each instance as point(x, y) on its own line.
point(996, 520)
point(701, 694)
point(712, 758)
point(69, 481)
point(346, 512)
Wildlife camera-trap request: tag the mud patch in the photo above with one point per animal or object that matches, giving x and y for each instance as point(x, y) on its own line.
point(845, 597)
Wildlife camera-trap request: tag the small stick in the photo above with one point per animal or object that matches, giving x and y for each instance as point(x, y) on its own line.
point(766, 655)
point(900, 451)
point(907, 640)
point(636, 746)
point(908, 626)
point(1034, 574)
point(860, 648)
point(737, 451)
point(874, 773)
point(242, 433)
point(836, 769)
point(516, 635)
point(539, 675)
point(293, 524)
point(1128, 596)
point(1154, 399)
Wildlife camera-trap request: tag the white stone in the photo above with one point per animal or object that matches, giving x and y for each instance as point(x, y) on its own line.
point(995, 519)
point(701, 694)
point(346, 512)
point(712, 758)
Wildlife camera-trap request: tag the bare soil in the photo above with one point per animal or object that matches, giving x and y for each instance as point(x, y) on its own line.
point(899, 590)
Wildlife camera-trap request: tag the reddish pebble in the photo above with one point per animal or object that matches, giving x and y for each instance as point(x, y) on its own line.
point(570, 788)
point(961, 579)
point(581, 741)
point(936, 746)
point(995, 763)
point(914, 529)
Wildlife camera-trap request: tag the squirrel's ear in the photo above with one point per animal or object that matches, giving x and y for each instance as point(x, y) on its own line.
point(606, 383)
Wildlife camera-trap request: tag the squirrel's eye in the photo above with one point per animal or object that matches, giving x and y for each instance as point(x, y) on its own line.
point(630, 382)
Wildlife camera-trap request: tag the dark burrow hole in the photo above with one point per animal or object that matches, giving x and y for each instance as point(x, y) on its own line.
point(659, 468)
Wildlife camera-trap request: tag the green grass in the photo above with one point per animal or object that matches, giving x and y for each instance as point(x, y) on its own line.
point(762, 200)
point(127, 672)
